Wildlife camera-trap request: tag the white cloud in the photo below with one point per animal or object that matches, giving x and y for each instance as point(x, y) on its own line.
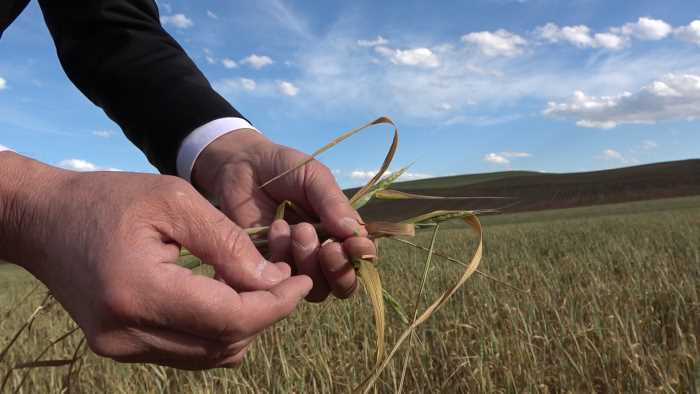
point(498, 43)
point(287, 88)
point(247, 84)
point(646, 29)
point(210, 59)
point(579, 36)
point(335, 74)
point(673, 97)
point(369, 174)
point(102, 133)
point(212, 15)
point(286, 17)
point(361, 174)
point(690, 33)
point(495, 158)
point(3, 84)
point(504, 158)
point(373, 43)
point(180, 21)
point(609, 41)
point(257, 62)
point(516, 155)
point(82, 166)
point(231, 85)
point(611, 154)
point(649, 145)
point(421, 57)
point(229, 63)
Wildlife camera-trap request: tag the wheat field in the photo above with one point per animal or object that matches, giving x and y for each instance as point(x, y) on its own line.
point(610, 302)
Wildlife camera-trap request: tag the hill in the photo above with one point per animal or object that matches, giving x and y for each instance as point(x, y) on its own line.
point(530, 191)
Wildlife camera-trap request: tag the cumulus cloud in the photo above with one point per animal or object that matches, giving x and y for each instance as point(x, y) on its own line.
point(421, 57)
point(646, 29)
point(82, 166)
point(3, 83)
point(373, 43)
point(580, 36)
point(609, 41)
point(690, 33)
point(256, 61)
point(495, 158)
point(247, 84)
point(287, 88)
point(504, 158)
point(212, 15)
point(673, 97)
point(180, 21)
point(102, 133)
point(498, 43)
point(229, 63)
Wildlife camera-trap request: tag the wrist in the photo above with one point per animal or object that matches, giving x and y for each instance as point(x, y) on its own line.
point(234, 146)
point(26, 187)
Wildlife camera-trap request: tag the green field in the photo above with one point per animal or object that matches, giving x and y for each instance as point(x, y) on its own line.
point(613, 305)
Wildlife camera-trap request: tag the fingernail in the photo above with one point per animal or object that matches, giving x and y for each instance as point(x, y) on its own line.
point(269, 272)
point(350, 224)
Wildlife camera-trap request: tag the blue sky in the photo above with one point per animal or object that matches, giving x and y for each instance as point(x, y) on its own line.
point(475, 86)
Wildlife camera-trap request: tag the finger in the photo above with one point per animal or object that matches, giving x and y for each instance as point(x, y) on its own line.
point(359, 247)
point(178, 350)
point(329, 202)
point(201, 306)
point(266, 307)
point(305, 248)
point(211, 236)
point(337, 269)
point(280, 241)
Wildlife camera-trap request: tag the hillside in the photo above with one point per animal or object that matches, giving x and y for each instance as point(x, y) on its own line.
point(529, 191)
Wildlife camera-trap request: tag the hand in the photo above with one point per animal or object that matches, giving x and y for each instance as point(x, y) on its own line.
point(105, 245)
point(230, 170)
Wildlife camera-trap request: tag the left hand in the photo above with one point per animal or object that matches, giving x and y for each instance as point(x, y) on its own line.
point(230, 170)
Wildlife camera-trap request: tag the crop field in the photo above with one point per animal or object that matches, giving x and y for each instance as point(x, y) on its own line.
point(608, 301)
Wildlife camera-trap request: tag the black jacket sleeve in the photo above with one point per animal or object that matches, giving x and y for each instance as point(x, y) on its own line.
point(119, 56)
point(9, 11)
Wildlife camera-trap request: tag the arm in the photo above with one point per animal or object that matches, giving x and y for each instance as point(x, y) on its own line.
point(105, 245)
point(117, 53)
point(119, 56)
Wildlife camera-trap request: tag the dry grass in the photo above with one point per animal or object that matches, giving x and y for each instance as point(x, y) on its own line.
point(614, 306)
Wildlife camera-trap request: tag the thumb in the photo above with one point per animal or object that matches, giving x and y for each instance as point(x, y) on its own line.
point(214, 238)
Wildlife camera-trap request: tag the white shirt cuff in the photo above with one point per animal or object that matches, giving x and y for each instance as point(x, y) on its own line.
point(4, 148)
point(193, 145)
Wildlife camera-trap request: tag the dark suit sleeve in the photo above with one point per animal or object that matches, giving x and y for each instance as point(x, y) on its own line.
point(119, 56)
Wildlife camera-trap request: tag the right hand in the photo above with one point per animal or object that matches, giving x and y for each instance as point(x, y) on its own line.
point(105, 244)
